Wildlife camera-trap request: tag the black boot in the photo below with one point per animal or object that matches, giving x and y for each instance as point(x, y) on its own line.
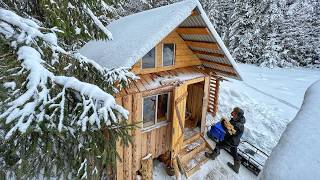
point(212, 155)
point(235, 167)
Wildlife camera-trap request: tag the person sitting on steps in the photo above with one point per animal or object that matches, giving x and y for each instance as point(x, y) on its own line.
point(231, 140)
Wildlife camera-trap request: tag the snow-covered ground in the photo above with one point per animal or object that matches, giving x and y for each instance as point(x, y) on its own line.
point(302, 134)
point(270, 98)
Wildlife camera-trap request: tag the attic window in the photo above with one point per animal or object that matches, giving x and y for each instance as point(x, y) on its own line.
point(168, 52)
point(155, 109)
point(149, 60)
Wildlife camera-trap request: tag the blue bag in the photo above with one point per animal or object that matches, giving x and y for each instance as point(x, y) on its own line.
point(217, 132)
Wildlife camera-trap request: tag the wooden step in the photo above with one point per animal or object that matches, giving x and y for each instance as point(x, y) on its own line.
point(190, 139)
point(194, 164)
point(192, 154)
point(191, 149)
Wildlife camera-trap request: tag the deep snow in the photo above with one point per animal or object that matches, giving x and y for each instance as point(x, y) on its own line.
point(270, 99)
point(302, 135)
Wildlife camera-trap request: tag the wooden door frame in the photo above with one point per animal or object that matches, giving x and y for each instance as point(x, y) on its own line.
point(205, 99)
point(204, 102)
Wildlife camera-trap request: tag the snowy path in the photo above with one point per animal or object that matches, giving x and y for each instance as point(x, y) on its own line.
point(270, 98)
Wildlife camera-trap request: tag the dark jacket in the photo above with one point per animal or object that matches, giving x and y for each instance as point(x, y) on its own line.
point(238, 125)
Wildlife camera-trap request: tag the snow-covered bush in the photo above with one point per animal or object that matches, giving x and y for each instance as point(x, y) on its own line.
point(60, 118)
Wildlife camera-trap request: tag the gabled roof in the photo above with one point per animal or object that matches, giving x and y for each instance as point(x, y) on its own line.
point(137, 34)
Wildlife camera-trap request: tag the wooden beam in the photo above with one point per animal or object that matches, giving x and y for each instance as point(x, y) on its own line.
point(216, 63)
point(201, 31)
point(194, 13)
point(199, 44)
point(223, 72)
point(209, 53)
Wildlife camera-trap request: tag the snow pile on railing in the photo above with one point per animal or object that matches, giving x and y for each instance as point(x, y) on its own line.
point(297, 155)
point(24, 35)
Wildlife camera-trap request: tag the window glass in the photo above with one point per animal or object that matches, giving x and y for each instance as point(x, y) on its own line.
point(162, 111)
point(168, 54)
point(148, 61)
point(149, 111)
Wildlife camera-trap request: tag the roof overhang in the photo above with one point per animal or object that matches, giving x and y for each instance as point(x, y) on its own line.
point(201, 37)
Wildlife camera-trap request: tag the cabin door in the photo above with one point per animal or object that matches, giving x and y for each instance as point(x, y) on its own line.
point(180, 94)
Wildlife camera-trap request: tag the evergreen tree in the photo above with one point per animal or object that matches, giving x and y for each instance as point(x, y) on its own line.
point(57, 114)
point(301, 33)
point(220, 12)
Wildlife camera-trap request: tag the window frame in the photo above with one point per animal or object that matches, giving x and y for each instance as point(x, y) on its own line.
point(155, 59)
point(174, 54)
point(156, 111)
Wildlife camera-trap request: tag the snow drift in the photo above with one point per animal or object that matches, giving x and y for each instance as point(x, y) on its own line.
point(297, 155)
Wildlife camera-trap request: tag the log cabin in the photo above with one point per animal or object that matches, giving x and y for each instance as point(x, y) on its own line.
point(180, 60)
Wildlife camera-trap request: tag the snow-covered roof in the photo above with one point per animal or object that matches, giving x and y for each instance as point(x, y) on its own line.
point(137, 34)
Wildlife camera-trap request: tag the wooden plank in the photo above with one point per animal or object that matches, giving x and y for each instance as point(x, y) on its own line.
point(120, 174)
point(201, 31)
point(217, 63)
point(132, 88)
point(144, 145)
point(195, 80)
point(158, 141)
point(127, 154)
point(149, 145)
point(151, 82)
point(147, 168)
point(209, 54)
point(205, 104)
point(158, 90)
point(139, 85)
point(154, 142)
point(208, 45)
point(136, 144)
point(164, 139)
point(145, 83)
point(119, 147)
point(177, 141)
point(223, 72)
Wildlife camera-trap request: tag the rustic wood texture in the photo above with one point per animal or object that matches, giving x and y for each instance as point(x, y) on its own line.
point(194, 102)
point(199, 44)
point(201, 31)
point(147, 168)
point(213, 95)
point(119, 147)
point(209, 54)
point(177, 135)
point(205, 102)
point(184, 57)
point(156, 141)
point(127, 152)
point(153, 82)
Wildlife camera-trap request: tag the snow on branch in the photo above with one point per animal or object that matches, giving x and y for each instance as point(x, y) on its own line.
point(97, 21)
point(30, 107)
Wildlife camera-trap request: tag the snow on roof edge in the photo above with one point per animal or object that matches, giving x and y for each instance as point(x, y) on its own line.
point(162, 34)
point(181, 14)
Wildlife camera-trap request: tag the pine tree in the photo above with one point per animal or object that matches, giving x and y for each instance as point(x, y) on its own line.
point(57, 114)
point(301, 33)
point(220, 12)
